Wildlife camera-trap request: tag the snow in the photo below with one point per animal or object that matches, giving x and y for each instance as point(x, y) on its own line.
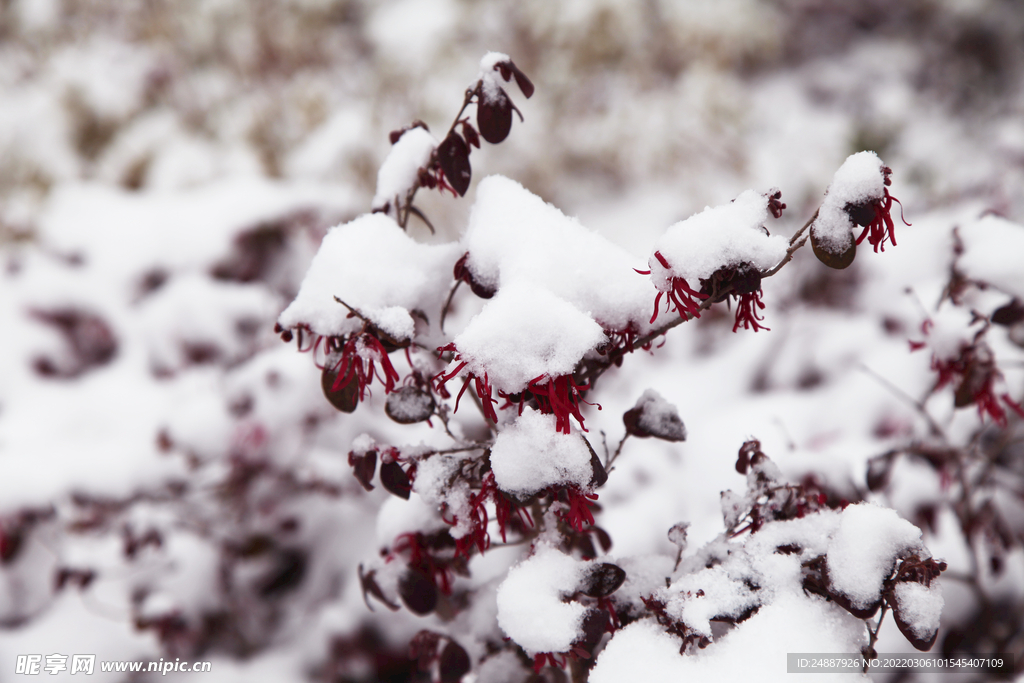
point(729, 235)
point(489, 76)
point(529, 455)
point(858, 181)
point(514, 236)
point(531, 610)
point(399, 516)
point(992, 249)
point(373, 266)
point(864, 549)
point(399, 172)
point(523, 333)
point(234, 115)
point(920, 607)
point(757, 650)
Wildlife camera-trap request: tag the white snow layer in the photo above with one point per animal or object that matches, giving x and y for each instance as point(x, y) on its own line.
point(717, 237)
point(530, 607)
point(401, 168)
point(858, 181)
point(489, 77)
point(920, 606)
point(757, 651)
point(514, 236)
point(864, 550)
point(994, 253)
point(526, 332)
point(529, 455)
point(374, 266)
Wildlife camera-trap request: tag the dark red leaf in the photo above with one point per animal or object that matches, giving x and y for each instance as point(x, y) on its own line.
point(1009, 315)
point(907, 628)
point(469, 132)
point(394, 479)
point(418, 592)
point(594, 626)
point(370, 587)
point(363, 467)
point(494, 117)
point(409, 404)
point(524, 83)
point(454, 663)
point(453, 156)
point(879, 469)
point(346, 397)
point(602, 580)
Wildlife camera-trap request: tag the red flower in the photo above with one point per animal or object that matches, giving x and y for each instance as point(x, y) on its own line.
point(680, 296)
point(975, 373)
point(875, 216)
point(483, 387)
point(359, 357)
point(478, 536)
point(559, 396)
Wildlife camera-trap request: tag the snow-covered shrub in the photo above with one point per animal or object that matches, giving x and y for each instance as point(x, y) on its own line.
point(797, 568)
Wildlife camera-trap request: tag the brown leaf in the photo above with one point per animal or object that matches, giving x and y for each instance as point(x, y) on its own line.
point(453, 156)
point(494, 117)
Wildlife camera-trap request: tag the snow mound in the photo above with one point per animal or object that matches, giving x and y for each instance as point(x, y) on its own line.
point(514, 236)
point(523, 333)
point(374, 266)
point(531, 610)
point(865, 548)
point(529, 455)
point(857, 182)
point(400, 170)
point(730, 235)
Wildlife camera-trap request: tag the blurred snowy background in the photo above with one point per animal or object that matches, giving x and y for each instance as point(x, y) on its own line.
point(172, 483)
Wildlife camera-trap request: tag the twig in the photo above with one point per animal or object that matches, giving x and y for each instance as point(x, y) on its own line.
point(933, 426)
point(794, 244)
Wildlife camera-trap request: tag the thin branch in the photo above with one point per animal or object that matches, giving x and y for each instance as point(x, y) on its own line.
point(933, 426)
point(608, 463)
point(795, 242)
point(448, 303)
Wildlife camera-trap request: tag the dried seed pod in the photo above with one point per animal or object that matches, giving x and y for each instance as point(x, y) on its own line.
point(394, 479)
point(837, 260)
point(453, 156)
point(409, 404)
point(602, 580)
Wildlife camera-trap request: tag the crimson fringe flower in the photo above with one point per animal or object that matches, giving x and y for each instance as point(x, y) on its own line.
point(478, 536)
point(747, 307)
point(361, 357)
point(743, 284)
point(420, 557)
point(579, 512)
point(483, 387)
point(875, 216)
point(681, 296)
point(559, 396)
point(975, 373)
